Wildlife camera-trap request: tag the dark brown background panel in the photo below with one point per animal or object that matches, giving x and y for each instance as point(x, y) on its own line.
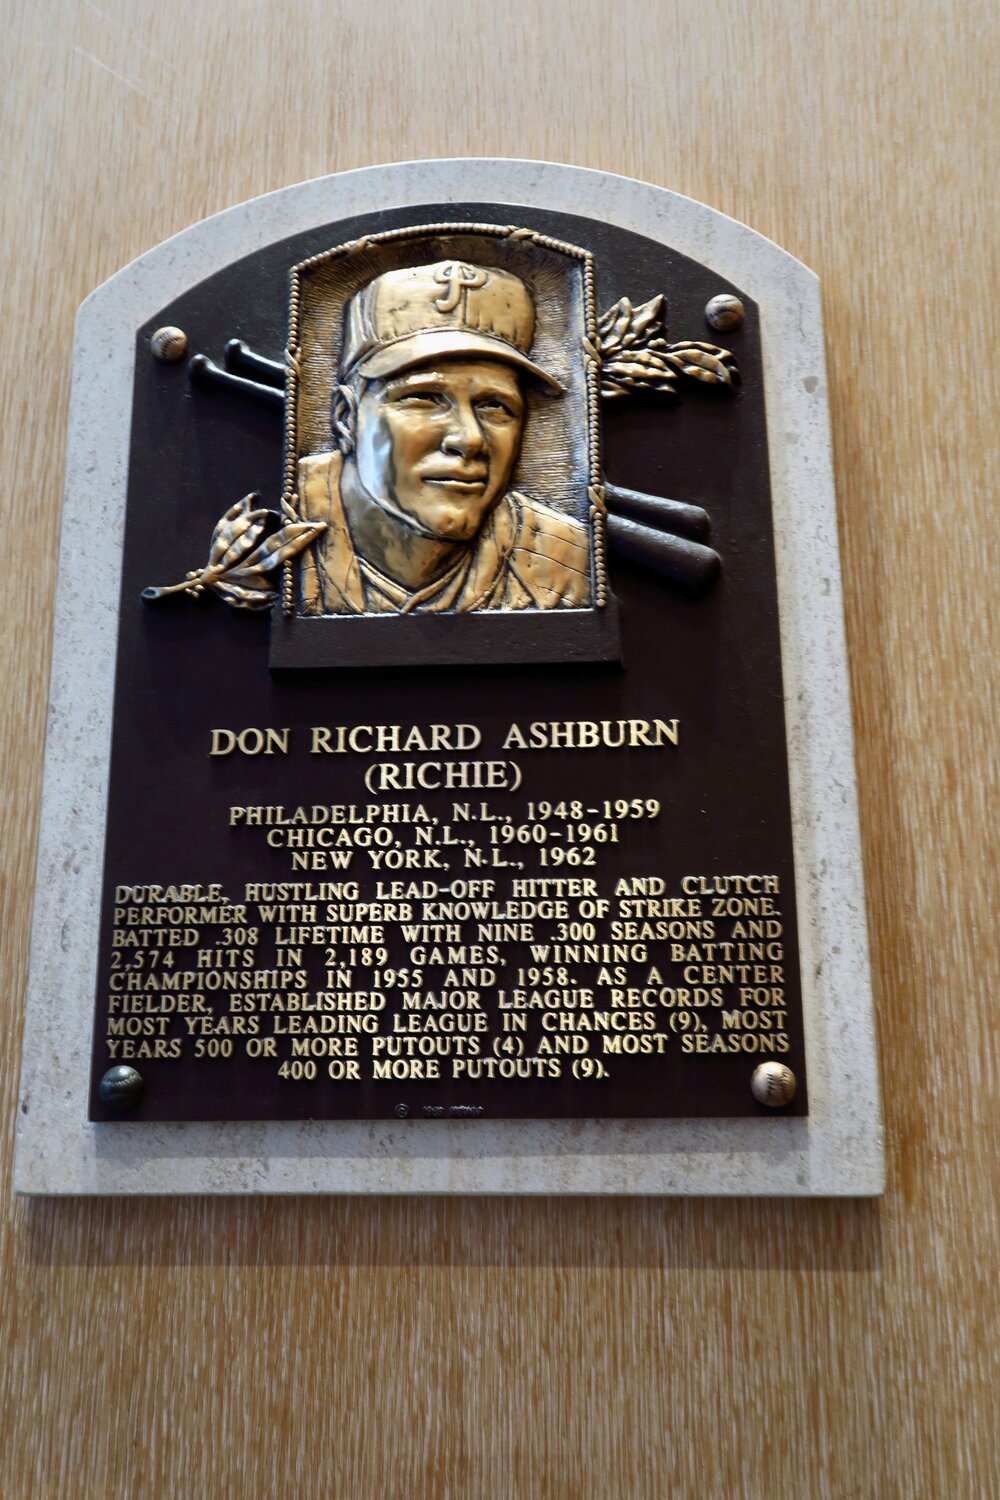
point(712, 664)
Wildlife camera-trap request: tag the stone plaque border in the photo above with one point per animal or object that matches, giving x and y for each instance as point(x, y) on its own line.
point(837, 1150)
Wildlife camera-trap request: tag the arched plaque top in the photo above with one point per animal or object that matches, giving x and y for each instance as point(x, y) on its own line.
point(733, 250)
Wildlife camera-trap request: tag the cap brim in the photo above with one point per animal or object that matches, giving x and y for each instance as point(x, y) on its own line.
point(437, 343)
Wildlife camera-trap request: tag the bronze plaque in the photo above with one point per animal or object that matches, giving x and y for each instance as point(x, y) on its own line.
point(449, 774)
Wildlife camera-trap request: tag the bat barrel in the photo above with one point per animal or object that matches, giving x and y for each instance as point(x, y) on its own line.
point(687, 564)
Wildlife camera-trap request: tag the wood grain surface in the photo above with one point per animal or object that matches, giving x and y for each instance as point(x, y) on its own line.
point(461, 1350)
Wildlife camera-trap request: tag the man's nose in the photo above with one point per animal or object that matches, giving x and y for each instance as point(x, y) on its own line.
point(464, 434)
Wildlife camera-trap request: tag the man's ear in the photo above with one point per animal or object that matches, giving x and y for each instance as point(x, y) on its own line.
point(344, 415)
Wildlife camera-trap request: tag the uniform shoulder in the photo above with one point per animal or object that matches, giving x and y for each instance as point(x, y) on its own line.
point(551, 555)
point(540, 522)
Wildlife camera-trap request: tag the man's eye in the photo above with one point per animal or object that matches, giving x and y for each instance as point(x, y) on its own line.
point(496, 410)
point(421, 400)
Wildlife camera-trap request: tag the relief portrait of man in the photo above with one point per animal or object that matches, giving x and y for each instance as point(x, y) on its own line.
point(434, 390)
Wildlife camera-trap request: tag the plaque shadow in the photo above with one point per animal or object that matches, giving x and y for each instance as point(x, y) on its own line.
point(500, 1233)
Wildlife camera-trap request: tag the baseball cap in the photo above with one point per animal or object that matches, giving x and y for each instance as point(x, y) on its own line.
point(406, 317)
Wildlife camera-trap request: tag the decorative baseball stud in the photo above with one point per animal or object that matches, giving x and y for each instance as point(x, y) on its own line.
point(724, 312)
point(121, 1088)
point(169, 344)
point(773, 1084)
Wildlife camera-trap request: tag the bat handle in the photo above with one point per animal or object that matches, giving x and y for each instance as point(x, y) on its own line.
point(662, 515)
point(202, 372)
point(241, 360)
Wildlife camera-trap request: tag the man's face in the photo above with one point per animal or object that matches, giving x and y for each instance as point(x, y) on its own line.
point(441, 441)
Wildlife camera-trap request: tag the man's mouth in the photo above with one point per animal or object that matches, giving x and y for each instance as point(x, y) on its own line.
point(459, 484)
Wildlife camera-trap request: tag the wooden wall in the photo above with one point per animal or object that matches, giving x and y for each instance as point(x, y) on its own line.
point(507, 1350)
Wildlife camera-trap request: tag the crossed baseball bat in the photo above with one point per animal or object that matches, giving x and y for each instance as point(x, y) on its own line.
point(666, 536)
